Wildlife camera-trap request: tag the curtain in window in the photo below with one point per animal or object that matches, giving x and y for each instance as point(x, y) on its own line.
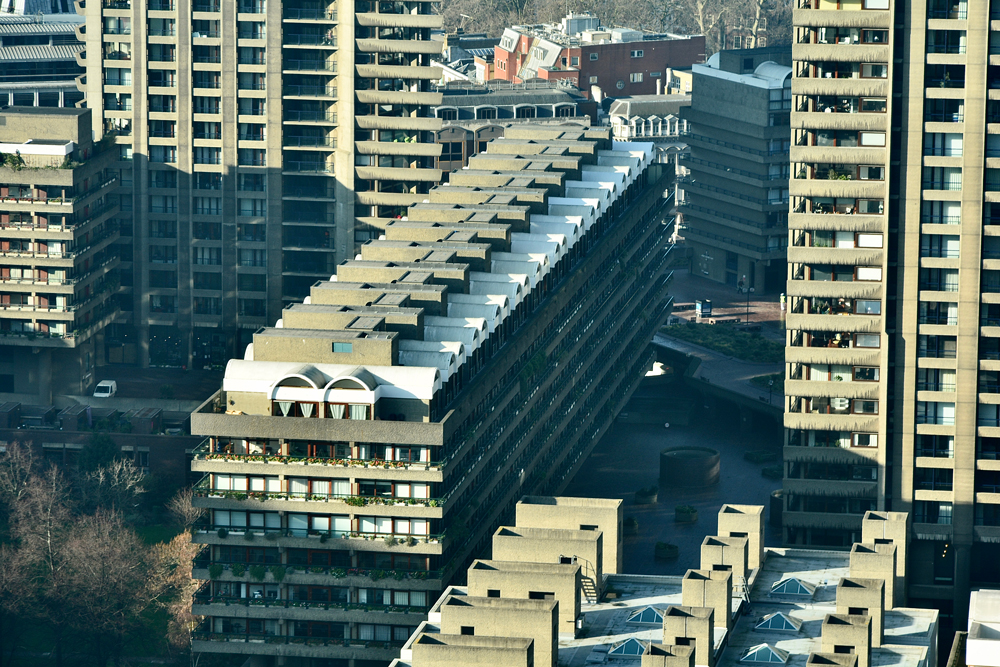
point(418, 598)
point(336, 411)
point(401, 598)
point(340, 487)
point(341, 524)
point(297, 487)
point(285, 407)
point(359, 412)
point(321, 487)
point(366, 632)
point(307, 409)
point(383, 633)
point(222, 483)
point(298, 524)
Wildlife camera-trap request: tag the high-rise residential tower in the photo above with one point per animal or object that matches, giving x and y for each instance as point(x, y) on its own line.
point(893, 386)
point(244, 131)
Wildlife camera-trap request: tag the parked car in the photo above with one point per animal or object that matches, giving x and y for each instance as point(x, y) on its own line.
point(105, 389)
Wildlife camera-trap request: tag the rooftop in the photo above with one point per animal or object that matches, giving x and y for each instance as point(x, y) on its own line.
point(767, 75)
point(482, 270)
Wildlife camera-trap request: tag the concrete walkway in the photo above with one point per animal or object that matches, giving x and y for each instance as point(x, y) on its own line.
point(724, 371)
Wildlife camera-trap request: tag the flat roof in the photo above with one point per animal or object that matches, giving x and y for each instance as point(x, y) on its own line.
point(907, 631)
point(43, 111)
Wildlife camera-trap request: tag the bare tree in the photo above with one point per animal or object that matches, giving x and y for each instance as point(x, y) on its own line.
point(183, 511)
point(173, 575)
point(40, 524)
point(112, 576)
point(16, 468)
point(14, 582)
point(116, 486)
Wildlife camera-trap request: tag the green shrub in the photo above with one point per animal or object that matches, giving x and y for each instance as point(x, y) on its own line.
point(729, 341)
point(257, 572)
point(215, 570)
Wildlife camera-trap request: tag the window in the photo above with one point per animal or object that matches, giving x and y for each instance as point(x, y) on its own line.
point(447, 114)
point(937, 347)
point(593, 57)
point(251, 282)
point(574, 61)
point(451, 151)
point(867, 340)
point(343, 348)
point(864, 440)
point(635, 77)
point(208, 256)
point(866, 373)
point(593, 79)
point(495, 592)
point(637, 53)
point(252, 308)
point(212, 281)
point(163, 279)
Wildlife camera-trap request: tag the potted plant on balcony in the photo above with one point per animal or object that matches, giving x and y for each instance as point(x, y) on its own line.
point(666, 551)
point(646, 496)
point(685, 514)
point(631, 526)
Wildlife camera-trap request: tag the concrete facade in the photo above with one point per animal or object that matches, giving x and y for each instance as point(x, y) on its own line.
point(913, 165)
point(601, 514)
point(376, 438)
point(744, 521)
point(321, 138)
point(532, 581)
point(58, 270)
point(733, 195)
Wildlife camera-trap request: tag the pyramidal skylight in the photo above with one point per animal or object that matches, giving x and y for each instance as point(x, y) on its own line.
point(648, 615)
point(778, 621)
point(765, 653)
point(793, 586)
point(630, 646)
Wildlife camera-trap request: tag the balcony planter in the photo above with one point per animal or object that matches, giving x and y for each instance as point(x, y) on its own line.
point(773, 472)
point(666, 551)
point(685, 514)
point(647, 496)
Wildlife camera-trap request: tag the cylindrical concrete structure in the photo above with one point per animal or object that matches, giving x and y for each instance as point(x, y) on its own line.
point(689, 466)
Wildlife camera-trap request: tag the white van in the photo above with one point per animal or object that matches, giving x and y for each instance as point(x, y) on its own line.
point(105, 389)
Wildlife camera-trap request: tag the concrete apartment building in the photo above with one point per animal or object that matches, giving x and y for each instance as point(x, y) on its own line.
point(618, 61)
point(58, 273)
point(734, 194)
point(371, 443)
point(38, 59)
point(259, 145)
point(791, 606)
point(894, 179)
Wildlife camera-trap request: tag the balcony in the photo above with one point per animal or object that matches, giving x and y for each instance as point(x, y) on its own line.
point(309, 116)
point(309, 91)
point(309, 14)
point(204, 453)
point(328, 39)
point(299, 167)
point(290, 65)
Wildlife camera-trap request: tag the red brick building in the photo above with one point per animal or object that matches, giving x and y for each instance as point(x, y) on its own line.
point(619, 61)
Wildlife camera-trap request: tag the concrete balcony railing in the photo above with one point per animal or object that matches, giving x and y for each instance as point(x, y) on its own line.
point(295, 538)
point(316, 647)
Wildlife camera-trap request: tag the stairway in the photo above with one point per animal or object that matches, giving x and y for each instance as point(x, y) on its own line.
point(589, 590)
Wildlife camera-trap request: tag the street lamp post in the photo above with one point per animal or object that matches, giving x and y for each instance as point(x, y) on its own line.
point(749, 291)
point(770, 388)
